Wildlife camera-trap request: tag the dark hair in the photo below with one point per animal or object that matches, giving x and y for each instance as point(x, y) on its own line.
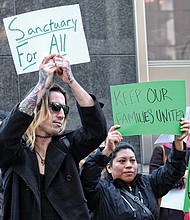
point(56, 88)
point(3, 115)
point(120, 146)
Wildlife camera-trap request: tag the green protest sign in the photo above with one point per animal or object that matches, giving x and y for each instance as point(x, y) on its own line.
point(149, 108)
point(187, 192)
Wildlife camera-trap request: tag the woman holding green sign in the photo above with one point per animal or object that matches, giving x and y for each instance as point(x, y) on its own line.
point(124, 194)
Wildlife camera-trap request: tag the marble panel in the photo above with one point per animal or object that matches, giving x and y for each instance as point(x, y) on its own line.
point(108, 24)
point(6, 10)
point(9, 84)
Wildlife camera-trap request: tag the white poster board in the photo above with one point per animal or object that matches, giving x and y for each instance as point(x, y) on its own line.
point(35, 34)
point(174, 199)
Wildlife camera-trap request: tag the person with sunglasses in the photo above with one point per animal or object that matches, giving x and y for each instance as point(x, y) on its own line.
point(39, 159)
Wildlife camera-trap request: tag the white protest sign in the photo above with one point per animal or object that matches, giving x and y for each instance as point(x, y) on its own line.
point(174, 199)
point(35, 34)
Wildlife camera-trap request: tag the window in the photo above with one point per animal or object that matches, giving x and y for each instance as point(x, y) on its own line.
point(168, 29)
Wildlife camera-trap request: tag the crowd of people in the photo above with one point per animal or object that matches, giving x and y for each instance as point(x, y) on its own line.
point(39, 158)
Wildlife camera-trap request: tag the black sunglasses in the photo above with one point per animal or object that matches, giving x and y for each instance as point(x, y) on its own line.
point(56, 107)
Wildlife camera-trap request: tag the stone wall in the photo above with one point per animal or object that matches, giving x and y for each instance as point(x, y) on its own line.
point(110, 34)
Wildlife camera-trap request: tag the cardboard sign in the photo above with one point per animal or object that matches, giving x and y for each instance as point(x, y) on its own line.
point(149, 108)
point(35, 34)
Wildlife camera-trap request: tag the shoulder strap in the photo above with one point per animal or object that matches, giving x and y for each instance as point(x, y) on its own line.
point(66, 141)
point(137, 200)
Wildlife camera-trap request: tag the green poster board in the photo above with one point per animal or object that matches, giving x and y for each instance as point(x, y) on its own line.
point(187, 192)
point(149, 107)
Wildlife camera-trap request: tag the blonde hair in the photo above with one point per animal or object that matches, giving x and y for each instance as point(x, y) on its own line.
point(42, 113)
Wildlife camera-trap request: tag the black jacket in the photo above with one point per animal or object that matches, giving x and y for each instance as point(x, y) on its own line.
point(22, 198)
point(104, 195)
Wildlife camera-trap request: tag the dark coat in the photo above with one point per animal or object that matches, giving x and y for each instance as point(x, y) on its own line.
point(156, 159)
point(104, 196)
point(22, 198)
point(155, 162)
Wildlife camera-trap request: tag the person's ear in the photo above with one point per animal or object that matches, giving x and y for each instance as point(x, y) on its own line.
point(108, 167)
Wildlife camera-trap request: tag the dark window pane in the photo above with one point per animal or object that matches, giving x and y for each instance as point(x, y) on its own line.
point(168, 29)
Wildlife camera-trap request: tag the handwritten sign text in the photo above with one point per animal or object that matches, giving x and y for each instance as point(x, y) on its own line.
point(149, 108)
point(32, 36)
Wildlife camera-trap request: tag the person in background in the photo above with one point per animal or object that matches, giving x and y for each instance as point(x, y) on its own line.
point(158, 158)
point(124, 193)
point(39, 159)
point(3, 115)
